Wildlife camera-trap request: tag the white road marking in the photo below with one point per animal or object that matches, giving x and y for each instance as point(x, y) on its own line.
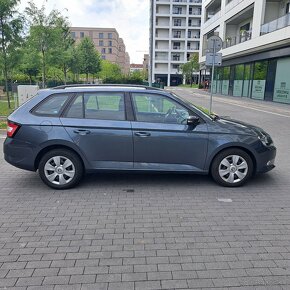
point(225, 200)
point(252, 108)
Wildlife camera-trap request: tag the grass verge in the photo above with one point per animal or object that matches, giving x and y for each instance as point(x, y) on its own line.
point(3, 124)
point(194, 86)
point(4, 110)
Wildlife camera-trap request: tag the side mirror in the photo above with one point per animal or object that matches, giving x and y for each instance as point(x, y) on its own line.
point(192, 121)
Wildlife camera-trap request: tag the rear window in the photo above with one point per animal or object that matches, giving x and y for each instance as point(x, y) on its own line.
point(51, 106)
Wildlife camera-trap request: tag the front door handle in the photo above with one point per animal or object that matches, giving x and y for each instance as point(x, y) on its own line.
point(82, 132)
point(142, 134)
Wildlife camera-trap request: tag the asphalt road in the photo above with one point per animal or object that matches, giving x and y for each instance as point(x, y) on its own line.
point(135, 231)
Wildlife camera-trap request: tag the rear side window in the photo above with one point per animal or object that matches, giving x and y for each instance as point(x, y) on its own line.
point(76, 109)
point(51, 106)
point(104, 106)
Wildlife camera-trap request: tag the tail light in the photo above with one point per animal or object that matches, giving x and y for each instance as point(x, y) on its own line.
point(12, 129)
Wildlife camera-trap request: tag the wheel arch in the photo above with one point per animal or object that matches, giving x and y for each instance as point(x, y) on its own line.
point(249, 152)
point(53, 147)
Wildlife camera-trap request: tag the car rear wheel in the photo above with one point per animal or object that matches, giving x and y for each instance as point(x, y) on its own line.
point(60, 169)
point(232, 167)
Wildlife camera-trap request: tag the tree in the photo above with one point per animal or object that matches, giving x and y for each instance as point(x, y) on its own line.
point(110, 70)
point(190, 67)
point(30, 62)
point(90, 60)
point(47, 32)
point(10, 35)
point(62, 54)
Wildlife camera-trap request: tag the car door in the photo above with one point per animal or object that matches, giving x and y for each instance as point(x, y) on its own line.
point(97, 123)
point(162, 139)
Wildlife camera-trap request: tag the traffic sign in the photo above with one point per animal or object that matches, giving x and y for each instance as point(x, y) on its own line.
point(214, 43)
point(211, 59)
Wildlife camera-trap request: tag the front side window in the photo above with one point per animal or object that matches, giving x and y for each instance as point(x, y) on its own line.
point(51, 106)
point(158, 109)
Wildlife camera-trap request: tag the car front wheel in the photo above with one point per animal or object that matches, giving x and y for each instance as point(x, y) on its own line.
point(232, 167)
point(60, 169)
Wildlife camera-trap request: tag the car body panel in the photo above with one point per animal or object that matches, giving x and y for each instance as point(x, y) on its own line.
point(107, 144)
point(170, 147)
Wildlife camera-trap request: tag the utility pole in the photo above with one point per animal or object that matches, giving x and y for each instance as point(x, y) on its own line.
point(150, 71)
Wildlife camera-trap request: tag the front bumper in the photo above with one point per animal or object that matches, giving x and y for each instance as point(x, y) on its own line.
point(266, 159)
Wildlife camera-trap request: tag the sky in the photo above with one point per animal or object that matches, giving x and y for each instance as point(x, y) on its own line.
point(129, 17)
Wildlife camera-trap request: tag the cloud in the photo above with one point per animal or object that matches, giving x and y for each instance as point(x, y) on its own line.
point(129, 17)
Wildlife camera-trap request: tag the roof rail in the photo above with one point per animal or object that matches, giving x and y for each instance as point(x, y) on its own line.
point(105, 85)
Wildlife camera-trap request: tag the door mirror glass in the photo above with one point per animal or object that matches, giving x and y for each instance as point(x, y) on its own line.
point(192, 121)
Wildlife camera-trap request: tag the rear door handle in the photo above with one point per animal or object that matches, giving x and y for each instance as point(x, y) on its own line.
point(142, 134)
point(82, 132)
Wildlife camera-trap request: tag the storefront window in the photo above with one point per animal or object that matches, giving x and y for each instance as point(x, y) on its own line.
point(259, 81)
point(282, 81)
point(247, 77)
point(226, 80)
point(238, 80)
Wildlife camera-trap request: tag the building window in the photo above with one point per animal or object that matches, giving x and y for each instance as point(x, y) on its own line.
point(73, 34)
point(175, 66)
point(101, 43)
point(176, 57)
point(177, 22)
point(103, 57)
point(177, 34)
point(110, 50)
point(82, 34)
point(101, 35)
point(103, 50)
point(259, 80)
point(176, 45)
point(177, 10)
point(110, 35)
point(110, 43)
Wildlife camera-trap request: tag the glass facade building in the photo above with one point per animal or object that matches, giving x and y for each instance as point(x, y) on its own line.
point(262, 80)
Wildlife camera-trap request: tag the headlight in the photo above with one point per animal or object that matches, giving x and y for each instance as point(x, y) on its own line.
point(265, 138)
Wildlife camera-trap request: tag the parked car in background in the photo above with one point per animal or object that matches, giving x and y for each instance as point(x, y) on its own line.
point(66, 131)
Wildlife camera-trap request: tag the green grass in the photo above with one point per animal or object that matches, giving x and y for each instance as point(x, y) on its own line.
point(4, 110)
point(3, 124)
point(206, 111)
point(194, 86)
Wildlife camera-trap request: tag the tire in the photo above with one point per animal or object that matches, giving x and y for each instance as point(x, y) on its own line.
point(60, 169)
point(232, 167)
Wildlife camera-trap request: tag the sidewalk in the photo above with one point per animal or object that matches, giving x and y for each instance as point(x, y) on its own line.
point(201, 97)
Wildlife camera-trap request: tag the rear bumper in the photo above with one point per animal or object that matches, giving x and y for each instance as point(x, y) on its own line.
point(19, 154)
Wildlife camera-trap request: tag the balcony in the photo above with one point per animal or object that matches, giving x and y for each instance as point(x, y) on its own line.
point(276, 24)
point(212, 12)
point(244, 36)
point(232, 4)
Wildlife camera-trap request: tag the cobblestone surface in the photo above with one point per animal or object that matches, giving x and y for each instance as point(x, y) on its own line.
point(126, 231)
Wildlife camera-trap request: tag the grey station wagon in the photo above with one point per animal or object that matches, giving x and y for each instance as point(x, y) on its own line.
point(69, 130)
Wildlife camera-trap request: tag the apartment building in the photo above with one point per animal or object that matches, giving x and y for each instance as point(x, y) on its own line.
point(108, 43)
point(174, 37)
point(256, 47)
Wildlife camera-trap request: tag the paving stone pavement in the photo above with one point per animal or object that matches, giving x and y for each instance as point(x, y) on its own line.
point(136, 231)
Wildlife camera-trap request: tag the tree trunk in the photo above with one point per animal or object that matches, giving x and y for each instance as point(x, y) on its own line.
point(5, 63)
point(64, 73)
point(43, 69)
